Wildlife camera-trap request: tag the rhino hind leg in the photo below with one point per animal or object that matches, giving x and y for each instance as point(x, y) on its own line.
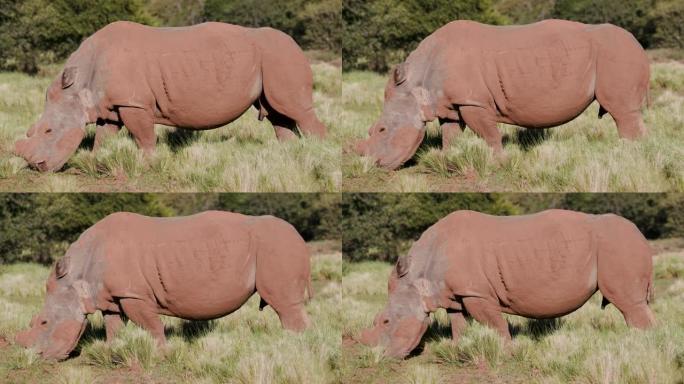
point(284, 127)
point(140, 123)
point(483, 123)
point(143, 315)
point(488, 314)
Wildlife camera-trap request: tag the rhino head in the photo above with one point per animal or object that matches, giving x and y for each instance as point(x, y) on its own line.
point(401, 325)
point(395, 137)
point(55, 331)
point(57, 134)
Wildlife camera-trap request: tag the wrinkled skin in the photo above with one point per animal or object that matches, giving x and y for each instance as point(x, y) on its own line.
point(543, 265)
point(59, 131)
point(198, 77)
point(55, 331)
point(198, 267)
point(475, 75)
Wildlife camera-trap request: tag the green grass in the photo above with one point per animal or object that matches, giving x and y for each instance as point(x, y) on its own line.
point(585, 154)
point(588, 346)
point(246, 346)
point(242, 156)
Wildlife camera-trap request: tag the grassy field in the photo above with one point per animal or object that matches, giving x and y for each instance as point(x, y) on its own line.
point(588, 346)
point(242, 156)
point(247, 346)
point(582, 155)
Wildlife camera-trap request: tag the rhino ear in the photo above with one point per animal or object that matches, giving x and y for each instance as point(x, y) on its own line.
point(68, 76)
point(400, 73)
point(403, 266)
point(62, 267)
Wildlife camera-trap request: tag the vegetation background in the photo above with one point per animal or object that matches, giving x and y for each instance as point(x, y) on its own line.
point(39, 227)
point(39, 32)
point(380, 33)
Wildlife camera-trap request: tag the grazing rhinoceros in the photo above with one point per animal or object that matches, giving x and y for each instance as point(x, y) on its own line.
point(535, 76)
point(539, 266)
point(198, 77)
point(197, 267)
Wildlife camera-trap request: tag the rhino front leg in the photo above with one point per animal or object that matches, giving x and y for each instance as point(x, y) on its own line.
point(450, 130)
point(483, 122)
point(458, 324)
point(487, 313)
point(113, 324)
point(140, 124)
point(103, 131)
point(143, 315)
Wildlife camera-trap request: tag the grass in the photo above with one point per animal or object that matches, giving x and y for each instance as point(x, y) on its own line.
point(243, 156)
point(588, 346)
point(246, 346)
point(585, 154)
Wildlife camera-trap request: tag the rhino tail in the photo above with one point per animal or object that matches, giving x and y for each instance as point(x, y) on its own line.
point(309, 289)
point(650, 294)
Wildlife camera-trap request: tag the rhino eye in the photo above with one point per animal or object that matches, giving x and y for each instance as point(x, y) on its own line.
point(383, 129)
point(386, 321)
point(49, 130)
point(43, 322)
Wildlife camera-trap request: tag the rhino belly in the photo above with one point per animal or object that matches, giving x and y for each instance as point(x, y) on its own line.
point(204, 279)
point(543, 85)
point(203, 88)
point(547, 277)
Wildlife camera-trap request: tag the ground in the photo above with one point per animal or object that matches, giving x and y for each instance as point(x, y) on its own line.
point(583, 155)
point(588, 346)
point(246, 346)
point(243, 156)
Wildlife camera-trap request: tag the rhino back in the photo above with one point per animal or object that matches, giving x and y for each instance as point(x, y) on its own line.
point(195, 267)
point(201, 76)
point(538, 265)
point(536, 75)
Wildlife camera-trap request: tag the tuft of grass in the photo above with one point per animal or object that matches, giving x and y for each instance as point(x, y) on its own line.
point(585, 154)
point(242, 156)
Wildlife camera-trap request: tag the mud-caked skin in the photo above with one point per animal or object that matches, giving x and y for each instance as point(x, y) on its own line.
point(543, 265)
point(197, 77)
point(534, 76)
point(197, 267)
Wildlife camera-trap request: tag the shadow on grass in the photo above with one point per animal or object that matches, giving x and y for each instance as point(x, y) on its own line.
point(88, 141)
point(193, 330)
point(428, 142)
point(180, 138)
point(536, 329)
point(527, 138)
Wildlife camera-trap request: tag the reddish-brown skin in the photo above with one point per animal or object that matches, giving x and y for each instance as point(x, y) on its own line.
point(539, 266)
point(198, 77)
point(535, 76)
point(197, 267)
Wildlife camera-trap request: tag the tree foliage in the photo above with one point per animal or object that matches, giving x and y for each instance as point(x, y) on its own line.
point(40, 227)
point(383, 226)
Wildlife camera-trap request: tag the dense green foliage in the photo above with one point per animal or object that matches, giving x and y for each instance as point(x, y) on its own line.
point(379, 33)
point(39, 227)
point(382, 226)
point(35, 32)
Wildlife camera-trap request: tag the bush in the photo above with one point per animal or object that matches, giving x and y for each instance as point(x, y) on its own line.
point(380, 33)
point(34, 32)
point(381, 226)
